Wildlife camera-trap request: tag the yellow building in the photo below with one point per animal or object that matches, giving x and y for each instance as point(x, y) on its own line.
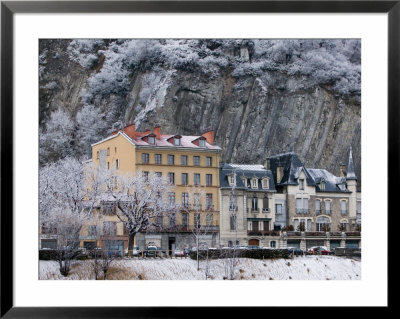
point(188, 162)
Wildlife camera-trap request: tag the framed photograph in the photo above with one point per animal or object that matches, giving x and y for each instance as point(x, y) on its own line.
point(165, 154)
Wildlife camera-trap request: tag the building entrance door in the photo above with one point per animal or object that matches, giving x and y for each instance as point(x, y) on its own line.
point(254, 242)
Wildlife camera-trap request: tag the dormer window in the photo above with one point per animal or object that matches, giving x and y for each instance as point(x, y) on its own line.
point(301, 183)
point(202, 143)
point(322, 185)
point(254, 183)
point(265, 183)
point(152, 140)
point(232, 181)
point(177, 141)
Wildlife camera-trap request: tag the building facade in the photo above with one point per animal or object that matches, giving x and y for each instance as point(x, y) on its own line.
point(191, 166)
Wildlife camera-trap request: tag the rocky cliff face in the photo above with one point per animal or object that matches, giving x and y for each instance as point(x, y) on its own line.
point(253, 115)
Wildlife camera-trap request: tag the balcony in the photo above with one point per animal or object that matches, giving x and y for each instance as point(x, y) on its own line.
point(265, 210)
point(318, 212)
point(253, 210)
point(328, 212)
point(209, 207)
point(271, 233)
point(233, 208)
point(353, 234)
point(344, 212)
point(302, 211)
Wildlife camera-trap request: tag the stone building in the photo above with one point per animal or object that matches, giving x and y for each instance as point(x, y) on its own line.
point(247, 206)
point(322, 208)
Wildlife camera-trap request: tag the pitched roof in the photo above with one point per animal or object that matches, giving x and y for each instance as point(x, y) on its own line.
point(247, 171)
point(332, 183)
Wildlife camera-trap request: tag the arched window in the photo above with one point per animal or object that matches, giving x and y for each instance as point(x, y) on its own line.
point(265, 204)
point(323, 223)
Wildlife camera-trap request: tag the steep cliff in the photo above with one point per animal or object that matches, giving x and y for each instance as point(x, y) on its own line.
point(258, 104)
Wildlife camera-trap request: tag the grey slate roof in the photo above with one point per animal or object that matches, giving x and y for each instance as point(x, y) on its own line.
point(292, 166)
point(249, 171)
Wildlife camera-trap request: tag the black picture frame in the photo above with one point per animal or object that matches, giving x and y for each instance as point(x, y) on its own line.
point(9, 8)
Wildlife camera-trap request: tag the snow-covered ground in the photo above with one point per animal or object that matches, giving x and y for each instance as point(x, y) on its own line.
point(298, 268)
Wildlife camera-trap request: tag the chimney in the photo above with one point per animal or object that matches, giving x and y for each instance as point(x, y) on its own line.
point(157, 131)
point(342, 170)
point(209, 135)
point(279, 173)
point(130, 130)
point(267, 164)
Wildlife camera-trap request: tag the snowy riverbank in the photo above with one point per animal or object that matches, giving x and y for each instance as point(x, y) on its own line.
point(298, 268)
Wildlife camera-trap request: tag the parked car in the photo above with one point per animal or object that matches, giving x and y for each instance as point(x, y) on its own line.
point(135, 251)
point(253, 247)
point(180, 253)
point(319, 250)
point(296, 251)
point(151, 251)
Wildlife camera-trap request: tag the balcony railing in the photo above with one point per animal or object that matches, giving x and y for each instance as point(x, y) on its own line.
point(265, 210)
point(233, 208)
point(302, 211)
point(209, 207)
point(328, 211)
point(344, 212)
point(318, 212)
point(253, 210)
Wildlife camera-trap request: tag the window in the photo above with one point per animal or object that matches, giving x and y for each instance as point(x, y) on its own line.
point(272, 244)
point(343, 225)
point(158, 174)
point(145, 158)
point(302, 205)
point(301, 183)
point(322, 185)
point(317, 207)
point(98, 155)
point(196, 201)
point(309, 223)
point(185, 200)
point(108, 151)
point(171, 198)
point(232, 181)
point(233, 222)
point(202, 143)
point(209, 218)
point(343, 207)
point(184, 178)
point(209, 202)
point(92, 230)
point(171, 178)
point(171, 159)
point(184, 159)
point(254, 204)
point(172, 220)
point(146, 176)
point(208, 179)
point(108, 165)
point(328, 207)
point(151, 140)
point(265, 183)
point(323, 224)
point(254, 183)
point(278, 209)
point(110, 228)
point(265, 204)
point(177, 141)
point(196, 160)
point(232, 202)
point(117, 164)
point(185, 220)
point(196, 179)
point(197, 221)
point(158, 158)
point(209, 161)
point(266, 225)
point(115, 150)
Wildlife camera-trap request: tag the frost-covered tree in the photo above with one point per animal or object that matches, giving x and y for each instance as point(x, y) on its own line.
point(91, 127)
point(140, 200)
point(68, 192)
point(55, 139)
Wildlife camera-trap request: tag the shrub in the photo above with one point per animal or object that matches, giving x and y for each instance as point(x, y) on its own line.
point(241, 253)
